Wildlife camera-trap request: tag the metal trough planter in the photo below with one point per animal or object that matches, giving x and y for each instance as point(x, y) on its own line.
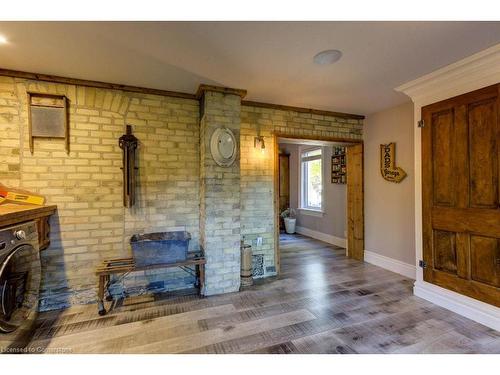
point(160, 247)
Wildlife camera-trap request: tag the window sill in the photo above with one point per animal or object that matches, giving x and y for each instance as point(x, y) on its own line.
point(310, 212)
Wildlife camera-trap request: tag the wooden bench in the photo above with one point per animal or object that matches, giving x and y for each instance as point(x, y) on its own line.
point(110, 267)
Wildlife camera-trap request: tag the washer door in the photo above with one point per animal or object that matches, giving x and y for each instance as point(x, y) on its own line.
point(20, 274)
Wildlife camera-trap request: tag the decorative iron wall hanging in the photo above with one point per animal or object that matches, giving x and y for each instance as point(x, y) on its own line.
point(128, 143)
point(388, 167)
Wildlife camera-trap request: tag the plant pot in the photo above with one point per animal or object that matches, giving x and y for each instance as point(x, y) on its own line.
point(290, 225)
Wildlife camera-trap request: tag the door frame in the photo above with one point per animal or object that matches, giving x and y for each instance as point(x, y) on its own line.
point(276, 135)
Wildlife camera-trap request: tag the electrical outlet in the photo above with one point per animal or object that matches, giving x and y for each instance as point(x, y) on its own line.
point(259, 241)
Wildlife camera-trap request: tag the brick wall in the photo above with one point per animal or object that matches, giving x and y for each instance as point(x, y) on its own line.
point(257, 168)
point(220, 197)
point(91, 223)
point(10, 140)
point(86, 185)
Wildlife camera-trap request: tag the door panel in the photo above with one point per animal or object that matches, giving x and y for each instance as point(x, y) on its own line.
point(483, 155)
point(442, 149)
point(484, 255)
point(445, 251)
point(460, 194)
point(355, 210)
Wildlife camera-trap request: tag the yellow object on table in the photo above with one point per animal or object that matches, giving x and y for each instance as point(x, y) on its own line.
point(19, 196)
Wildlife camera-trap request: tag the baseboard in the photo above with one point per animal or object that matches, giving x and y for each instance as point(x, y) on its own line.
point(478, 311)
point(337, 241)
point(391, 264)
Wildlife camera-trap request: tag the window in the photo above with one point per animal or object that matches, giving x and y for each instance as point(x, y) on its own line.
point(311, 179)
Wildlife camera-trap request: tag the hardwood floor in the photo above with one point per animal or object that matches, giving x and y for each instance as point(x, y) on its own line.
point(322, 302)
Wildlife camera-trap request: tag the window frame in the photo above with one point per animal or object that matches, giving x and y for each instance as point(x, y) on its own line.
point(314, 211)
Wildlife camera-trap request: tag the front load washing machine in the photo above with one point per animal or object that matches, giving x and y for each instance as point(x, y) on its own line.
point(20, 275)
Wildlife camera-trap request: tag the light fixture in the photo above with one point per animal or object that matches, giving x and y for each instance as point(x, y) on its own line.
point(258, 142)
point(327, 57)
point(3, 39)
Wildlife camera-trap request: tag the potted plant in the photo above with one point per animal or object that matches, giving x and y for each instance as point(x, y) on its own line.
point(288, 216)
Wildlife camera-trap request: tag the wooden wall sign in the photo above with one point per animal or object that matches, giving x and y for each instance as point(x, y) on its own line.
point(388, 164)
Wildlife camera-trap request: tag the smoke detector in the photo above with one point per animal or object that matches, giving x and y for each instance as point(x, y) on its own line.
point(327, 57)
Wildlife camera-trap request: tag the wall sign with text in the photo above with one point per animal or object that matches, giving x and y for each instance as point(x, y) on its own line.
point(388, 167)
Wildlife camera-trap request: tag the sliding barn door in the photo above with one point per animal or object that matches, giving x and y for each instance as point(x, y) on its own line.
point(355, 213)
point(460, 187)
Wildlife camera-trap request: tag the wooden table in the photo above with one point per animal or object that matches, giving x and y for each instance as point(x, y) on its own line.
point(13, 213)
point(109, 267)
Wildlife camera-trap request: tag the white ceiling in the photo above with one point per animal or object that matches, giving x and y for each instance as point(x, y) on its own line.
point(272, 60)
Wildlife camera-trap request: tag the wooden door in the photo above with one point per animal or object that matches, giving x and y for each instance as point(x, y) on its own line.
point(284, 184)
point(355, 213)
point(460, 194)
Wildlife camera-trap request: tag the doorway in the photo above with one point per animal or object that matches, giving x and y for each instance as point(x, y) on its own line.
point(354, 216)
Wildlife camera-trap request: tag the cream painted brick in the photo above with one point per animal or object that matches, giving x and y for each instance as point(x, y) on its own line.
point(257, 172)
point(87, 183)
point(99, 120)
point(88, 112)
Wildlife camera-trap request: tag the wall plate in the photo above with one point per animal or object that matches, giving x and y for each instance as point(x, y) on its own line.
point(223, 147)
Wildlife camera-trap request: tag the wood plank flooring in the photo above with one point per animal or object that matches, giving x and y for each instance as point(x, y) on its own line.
point(322, 302)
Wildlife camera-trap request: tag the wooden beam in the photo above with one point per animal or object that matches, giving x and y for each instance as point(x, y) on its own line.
point(97, 84)
point(355, 203)
point(225, 90)
point(351, 116)
point(318, 138)
point(144, 90)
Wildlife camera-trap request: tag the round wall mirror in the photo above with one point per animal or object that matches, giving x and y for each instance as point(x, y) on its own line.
point(223, 147)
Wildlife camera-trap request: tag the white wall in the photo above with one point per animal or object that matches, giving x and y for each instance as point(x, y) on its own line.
point(333, 222)
point(390, 207)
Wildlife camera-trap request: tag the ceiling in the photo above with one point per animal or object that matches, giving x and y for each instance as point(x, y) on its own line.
point(272, 60)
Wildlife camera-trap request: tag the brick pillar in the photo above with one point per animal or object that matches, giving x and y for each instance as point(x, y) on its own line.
point(220, 192)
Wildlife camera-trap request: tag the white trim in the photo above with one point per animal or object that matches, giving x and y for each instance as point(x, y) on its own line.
point(337, 241)
point(472, 73)
point(310, 212)
point(390, 264)
point(301, 150)
point(478, 311)
point(479, 70)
